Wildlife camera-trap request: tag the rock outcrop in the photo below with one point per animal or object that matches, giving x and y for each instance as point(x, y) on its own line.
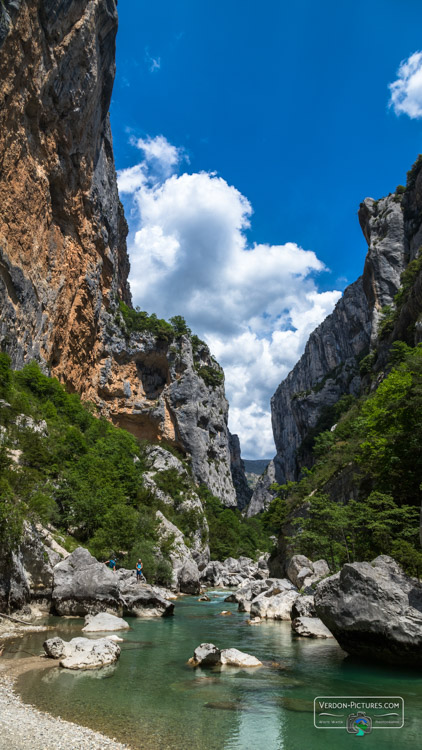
point(63, 274)
point(232, 572)
point(26, 575)
point(374, 611)
point(304, 573)
point(140, 599)
point(194, 547)
point(274, 606)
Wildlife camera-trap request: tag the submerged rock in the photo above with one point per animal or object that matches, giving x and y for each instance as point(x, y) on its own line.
point(235, 658)
point(374, 611)
point(104, 622)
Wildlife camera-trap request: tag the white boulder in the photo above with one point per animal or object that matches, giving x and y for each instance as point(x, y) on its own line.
point(104, 622)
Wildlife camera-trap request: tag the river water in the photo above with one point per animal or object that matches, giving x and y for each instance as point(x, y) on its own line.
point(154, 701)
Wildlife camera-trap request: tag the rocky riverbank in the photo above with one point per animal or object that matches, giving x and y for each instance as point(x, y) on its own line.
point(22, 725)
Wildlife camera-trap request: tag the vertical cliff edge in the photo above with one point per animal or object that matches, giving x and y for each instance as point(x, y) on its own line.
point(63, 259)
point(364, 323)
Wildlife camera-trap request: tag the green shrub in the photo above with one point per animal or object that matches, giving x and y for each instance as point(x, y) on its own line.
point(210, 376)
point(138, 321)
point(230, 534)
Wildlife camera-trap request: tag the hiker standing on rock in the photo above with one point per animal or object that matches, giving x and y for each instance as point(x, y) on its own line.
point(111, 564)
point(139, 573)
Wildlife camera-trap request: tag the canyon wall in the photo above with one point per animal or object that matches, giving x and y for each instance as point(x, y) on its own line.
point(63, 260)
point(364, 322)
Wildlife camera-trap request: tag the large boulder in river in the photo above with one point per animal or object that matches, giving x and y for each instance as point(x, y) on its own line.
point(277, 607)
point(141, 599)
point(374, 611)
point(189, 582)
point(82, 653)
point(104, 622)
point(82, 586)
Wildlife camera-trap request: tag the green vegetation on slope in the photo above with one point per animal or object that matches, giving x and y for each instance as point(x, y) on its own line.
point(232, 535)
point(378, 443)
point(85, 476)
point(82, 474)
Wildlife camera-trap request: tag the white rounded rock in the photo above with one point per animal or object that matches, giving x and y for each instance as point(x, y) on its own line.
point(104, 622)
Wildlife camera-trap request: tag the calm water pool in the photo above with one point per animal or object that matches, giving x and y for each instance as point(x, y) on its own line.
point(153, 700)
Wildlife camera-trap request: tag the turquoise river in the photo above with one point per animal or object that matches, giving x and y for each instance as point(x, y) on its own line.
point(153, 700)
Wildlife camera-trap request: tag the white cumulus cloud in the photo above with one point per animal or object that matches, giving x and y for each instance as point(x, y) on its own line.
point(254, 305)
point(406, 91)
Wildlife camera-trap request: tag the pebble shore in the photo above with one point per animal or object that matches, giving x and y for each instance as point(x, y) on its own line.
point(23, 727)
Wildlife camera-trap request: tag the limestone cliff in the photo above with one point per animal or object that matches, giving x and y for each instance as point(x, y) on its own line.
point(63, 259)
point(366, 319)
point(243, 491)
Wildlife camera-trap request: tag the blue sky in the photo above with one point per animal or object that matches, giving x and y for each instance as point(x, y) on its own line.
point(253, 130)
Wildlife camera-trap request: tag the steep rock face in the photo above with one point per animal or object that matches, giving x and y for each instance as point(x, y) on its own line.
point(329, 367)
point(262, 495)
point(62, 230)
point(26, 575)
point(63, 259)
point(243, 491)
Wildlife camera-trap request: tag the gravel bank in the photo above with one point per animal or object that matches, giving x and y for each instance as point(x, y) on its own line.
point(23, 727)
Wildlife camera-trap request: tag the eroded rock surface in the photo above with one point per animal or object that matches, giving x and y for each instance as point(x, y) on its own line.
point(26, 575)
point(82, 586)
point(82, 653)
point(141, 599)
